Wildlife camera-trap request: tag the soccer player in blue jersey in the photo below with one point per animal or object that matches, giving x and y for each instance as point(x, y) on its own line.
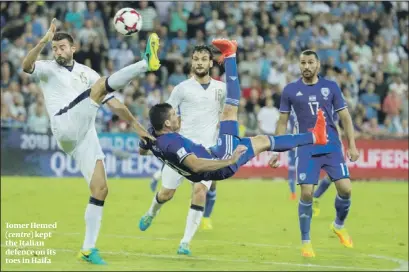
point(324, 184)
point(305, 96)
point(197, 163)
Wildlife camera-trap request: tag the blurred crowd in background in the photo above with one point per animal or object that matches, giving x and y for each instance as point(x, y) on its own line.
point(362, 45)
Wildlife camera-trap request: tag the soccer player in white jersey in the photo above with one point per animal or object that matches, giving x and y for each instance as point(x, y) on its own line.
point(73, 93)
point(199, 101)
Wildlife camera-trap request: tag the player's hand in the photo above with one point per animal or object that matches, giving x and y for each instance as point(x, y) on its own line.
point(48, 37)
point(353, 154)
point(238, 152)
point(274, 161)
point(145, 137)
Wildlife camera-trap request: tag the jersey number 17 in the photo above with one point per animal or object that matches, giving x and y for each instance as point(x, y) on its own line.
point(314, 106)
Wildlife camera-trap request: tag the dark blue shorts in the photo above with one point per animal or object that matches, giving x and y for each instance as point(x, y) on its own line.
point(308, 166)
point(228, 141)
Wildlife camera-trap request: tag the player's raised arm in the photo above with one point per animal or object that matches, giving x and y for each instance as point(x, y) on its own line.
point(123, 113)
point(199, 165)
point(285, 109)
point(29, 60)
point(346, 120)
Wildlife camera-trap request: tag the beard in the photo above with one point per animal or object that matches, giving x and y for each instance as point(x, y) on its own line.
point(62, 61)
point(204, 72)
point(308, 74)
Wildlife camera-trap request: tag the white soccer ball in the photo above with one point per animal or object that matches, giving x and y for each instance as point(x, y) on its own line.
point(128, 21)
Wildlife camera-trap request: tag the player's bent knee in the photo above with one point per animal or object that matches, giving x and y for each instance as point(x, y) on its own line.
point(344, 187)
point(98, 90)
point(229, 113)
point(307, 192)
point(260, 143)
point(166, 194)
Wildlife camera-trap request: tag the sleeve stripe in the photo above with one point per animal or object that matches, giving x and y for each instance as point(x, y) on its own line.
point(341, 108)
point(284, 111)
point(106, 100)
point(184, 157)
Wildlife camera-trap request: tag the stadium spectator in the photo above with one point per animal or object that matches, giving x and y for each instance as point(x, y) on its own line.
point(363, 46)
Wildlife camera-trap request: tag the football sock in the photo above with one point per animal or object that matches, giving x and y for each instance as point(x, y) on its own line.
point(342, 206)
point(322, 187)
point(93, 217)
point(121, 78)
point(290, 141)
point(192, 222)
point(210, 200)
point(232, 81)
point(304, 216)
point(291, 183)
point(155, 206)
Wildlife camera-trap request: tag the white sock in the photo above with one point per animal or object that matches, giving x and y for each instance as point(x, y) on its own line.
point(157, 174)
point(121, 78)
point(192, 223)
point(155, 206)
point(93, 217)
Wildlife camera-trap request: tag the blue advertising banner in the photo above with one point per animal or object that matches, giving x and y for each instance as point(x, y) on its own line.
point(38, 154)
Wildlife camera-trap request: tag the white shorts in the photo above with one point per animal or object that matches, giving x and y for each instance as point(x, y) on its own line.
point(74, 130)
point(172, 179)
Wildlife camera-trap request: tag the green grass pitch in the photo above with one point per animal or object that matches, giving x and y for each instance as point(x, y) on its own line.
point(255, 227)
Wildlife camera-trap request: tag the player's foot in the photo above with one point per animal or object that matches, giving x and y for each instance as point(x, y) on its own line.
point(307, 251)
point(226, 47)
point(343, 236)
point(316, 208)
point(184, 249)
point(91, 256)
point(293, 196)
point(320, 129)
point(145, 222)
point(206, 224)
point(153, 184)
point(151, 52)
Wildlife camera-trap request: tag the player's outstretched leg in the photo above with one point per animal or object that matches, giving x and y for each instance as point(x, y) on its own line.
point(93, 215)
point(322, 188)
point(210, 201)
point(342, 206)
point(121, 78)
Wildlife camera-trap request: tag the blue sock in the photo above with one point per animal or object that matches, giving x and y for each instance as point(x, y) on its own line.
point(290, 141)
point(304, 216)
point(232, 81)
point(210, 200)
point(291, 179)
point(342, 207)
point(322, 188)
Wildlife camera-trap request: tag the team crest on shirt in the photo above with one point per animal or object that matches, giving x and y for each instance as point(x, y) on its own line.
point(303, 176)
point(83, 78)
point(325, 93)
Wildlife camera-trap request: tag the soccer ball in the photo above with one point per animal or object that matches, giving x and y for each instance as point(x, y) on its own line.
point(127, 21)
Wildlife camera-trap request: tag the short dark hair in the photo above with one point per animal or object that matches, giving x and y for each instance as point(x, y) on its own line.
point(309, 53)
point(201, 48)
point(59, 36)
point(158, 114)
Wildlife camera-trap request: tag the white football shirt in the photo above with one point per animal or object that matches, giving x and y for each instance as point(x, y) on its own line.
point(61, 86)
point(199, 109)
